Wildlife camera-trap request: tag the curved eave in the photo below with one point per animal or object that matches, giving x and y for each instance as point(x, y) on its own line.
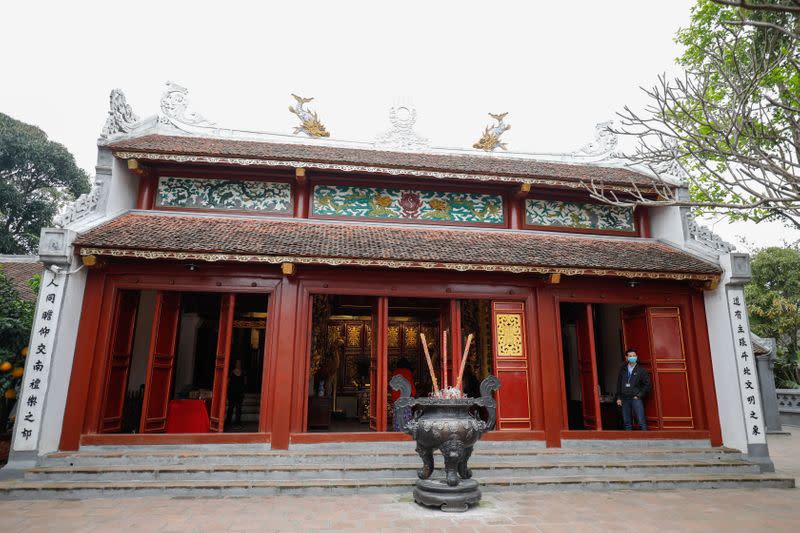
point(394, 264)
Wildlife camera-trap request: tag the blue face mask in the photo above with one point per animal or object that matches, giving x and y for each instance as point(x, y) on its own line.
point(632, 359)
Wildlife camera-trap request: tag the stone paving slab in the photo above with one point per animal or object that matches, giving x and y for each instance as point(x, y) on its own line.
point(618, 511)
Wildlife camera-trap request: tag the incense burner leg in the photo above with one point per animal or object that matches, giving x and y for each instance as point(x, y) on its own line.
point(463, 470)
point(427, 462)
point(453, 452)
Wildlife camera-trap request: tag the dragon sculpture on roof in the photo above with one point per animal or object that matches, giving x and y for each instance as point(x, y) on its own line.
point(491, 135)
point(309, 121)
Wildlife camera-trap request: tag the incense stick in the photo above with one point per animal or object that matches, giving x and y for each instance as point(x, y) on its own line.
point(430, 364)
point(463, 363)
point(444, 361)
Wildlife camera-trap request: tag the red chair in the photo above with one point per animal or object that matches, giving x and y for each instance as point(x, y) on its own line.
point(187, 416)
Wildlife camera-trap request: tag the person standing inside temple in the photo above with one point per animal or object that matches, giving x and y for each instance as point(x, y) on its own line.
point(236, 382)
point(633, 385)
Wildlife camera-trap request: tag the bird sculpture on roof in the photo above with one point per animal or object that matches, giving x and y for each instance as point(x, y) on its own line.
point(491, 135)
point(309, 121)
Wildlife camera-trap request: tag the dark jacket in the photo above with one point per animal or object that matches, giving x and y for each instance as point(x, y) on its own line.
point(235, 387)
point(640, 383)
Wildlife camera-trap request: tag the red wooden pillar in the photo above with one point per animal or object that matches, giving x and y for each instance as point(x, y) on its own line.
point(705, 371)
point(147, 191)
point(283, 391)
point(643, 220)
point(81, 376)
point(514, 211)
point(550, 369)
point(302, 200)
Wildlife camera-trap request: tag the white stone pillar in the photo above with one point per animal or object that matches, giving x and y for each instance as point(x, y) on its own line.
point(43, 394)
point(735, 376)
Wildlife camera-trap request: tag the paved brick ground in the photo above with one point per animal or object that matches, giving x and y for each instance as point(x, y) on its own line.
point(618, 511)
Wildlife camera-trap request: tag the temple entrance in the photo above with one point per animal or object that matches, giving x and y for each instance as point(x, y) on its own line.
point(594, 339)
point(343, 363)
point(358, 343)
point(345, 358)
point(185, 362)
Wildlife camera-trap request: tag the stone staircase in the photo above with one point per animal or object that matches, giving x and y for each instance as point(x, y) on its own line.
point(250, 407)
point(246, 470)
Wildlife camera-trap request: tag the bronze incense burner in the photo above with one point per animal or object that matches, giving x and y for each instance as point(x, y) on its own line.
point(453, 425)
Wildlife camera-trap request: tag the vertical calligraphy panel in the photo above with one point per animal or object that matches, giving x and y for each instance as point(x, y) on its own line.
point(37, 366)
point(746, 367)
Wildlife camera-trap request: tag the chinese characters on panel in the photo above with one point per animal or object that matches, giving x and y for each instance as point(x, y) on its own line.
point(37, 366)
point(746, 364)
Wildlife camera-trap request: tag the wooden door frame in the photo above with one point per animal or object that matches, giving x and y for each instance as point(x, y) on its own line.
point(84, 402)
point(588, 310)
point(222, 368)
point(443, 286)
point(689, 300)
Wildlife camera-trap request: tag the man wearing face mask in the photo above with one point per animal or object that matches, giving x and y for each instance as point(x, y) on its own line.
point(633, 384)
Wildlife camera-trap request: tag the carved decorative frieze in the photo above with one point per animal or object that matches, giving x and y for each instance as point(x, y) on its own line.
point(402, 135)
point(174, 105)
point(578, 215)
point(240, 195)
point(80, 208)
point(706, 238)
point(379, 202)
point(121, 118)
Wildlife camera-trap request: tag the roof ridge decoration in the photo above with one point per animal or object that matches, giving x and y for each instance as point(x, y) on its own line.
point(706, 238)
point(491, 135)
point(80, 208)
point(175, 104)
point(604, 143)
point(121, 118)
point(309, 121)
point(402, 135)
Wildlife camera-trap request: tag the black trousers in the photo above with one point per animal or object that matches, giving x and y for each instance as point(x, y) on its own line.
point(235, 409)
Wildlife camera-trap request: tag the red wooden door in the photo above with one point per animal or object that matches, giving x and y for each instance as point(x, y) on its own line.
point(163, 343)
point(511, 365)
point(221, 363)
point(669, 363)
point(125, 308)
point(657, 335)
point(587, 368)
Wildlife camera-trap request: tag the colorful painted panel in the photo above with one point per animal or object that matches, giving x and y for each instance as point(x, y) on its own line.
point(578, 215)
point(375, 202)
point(239, 195)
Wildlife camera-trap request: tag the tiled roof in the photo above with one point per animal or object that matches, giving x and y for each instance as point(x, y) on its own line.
point(466, 164)
point(270, 240)
point(19, 272)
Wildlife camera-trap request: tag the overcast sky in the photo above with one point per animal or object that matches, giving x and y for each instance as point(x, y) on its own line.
point(558, 67)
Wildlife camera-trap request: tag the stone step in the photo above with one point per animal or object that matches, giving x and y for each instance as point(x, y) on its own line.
point(165, 455)
point(25, 489)
point(379, 470)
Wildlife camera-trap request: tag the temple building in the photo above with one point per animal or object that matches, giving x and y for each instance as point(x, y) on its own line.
point(229, 287)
